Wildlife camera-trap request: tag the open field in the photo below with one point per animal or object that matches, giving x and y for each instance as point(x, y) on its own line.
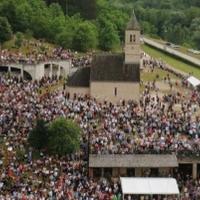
point(157, 75)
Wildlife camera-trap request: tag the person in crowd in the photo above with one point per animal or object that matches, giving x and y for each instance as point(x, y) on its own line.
point(152, 125)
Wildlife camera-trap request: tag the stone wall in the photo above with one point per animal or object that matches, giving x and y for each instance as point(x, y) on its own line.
point(106, 91)
point(78, 90)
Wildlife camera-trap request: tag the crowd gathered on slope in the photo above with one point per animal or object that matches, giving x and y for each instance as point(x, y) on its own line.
point(44, 55)
point(152, 125)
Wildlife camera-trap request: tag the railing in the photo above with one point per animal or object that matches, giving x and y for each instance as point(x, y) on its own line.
point(5, 63)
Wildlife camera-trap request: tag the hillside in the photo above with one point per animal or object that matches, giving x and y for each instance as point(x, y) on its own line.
point(177, 21)
point(90, 24)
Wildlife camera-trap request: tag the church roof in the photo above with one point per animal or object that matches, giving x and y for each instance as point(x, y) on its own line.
point(133, 160)
point(133, 23)
point(80, 78)
point(111, 67)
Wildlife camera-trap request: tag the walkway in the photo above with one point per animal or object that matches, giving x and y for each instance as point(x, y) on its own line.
point(39, 70)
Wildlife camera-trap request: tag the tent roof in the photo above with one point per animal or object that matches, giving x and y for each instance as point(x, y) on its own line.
point(133, 160)
point(193, 81)
point(165, 186)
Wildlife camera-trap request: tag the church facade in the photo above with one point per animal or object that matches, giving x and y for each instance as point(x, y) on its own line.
point(112, 77)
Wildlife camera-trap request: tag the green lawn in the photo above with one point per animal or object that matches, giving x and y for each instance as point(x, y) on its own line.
point(151, 76)
point(176, 63)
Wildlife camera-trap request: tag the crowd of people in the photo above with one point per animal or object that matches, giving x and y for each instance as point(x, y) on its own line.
point(157, 124)
point(21, 176)
point(110, 128)
point(44, 54)
point(151, 125)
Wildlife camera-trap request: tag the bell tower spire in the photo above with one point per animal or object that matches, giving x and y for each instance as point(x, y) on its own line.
point(132, 41)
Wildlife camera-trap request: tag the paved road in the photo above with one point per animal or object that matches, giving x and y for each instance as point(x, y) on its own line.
point(172, 51)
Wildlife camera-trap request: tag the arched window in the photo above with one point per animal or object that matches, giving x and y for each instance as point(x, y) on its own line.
point(115, 91)
point(131, 38)
point(134, 38)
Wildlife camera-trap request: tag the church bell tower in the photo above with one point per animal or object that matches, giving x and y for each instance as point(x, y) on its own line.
point(132, 41)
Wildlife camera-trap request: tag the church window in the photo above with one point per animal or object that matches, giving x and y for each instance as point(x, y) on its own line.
point(134, 39)
point(131, 38)
point(115, 91)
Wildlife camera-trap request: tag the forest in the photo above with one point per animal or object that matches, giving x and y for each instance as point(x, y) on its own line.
point(85, 25)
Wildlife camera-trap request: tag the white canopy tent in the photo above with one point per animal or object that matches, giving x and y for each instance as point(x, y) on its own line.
point(193, 81)
point(149, 186)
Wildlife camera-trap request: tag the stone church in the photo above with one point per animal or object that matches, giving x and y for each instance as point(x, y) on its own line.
point(112, 77)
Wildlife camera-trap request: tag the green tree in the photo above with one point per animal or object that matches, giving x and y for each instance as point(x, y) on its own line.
point(195, 25)
point(176, 34)
point(119, 21)
point(23, 17)
point(85, 37)
point(40, 26)
point(8, 9)
point(46, 19)
point(108, 36)
point(196, 39)
point(5, 30)
point(148, 28)
point(55, 27)
point(19, 39)
point(65, 38)
point(56, 23)
point(64, 137)
point(38, 137)
point(88, 8)
point(40, 19)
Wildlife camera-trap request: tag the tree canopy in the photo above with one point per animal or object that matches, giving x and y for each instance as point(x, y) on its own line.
point(38, 137)
point(171, 20)
point(64, 137)
point(59, 21)
point(85, 37)
point(5, 30)
point(60, 137)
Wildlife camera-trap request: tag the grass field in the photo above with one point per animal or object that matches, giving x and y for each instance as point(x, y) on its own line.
point(151, 76)
point(174, 62)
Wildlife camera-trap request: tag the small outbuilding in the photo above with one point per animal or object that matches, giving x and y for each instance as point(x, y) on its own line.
point(193, 81)
point(132, 165)
point(149, 186)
